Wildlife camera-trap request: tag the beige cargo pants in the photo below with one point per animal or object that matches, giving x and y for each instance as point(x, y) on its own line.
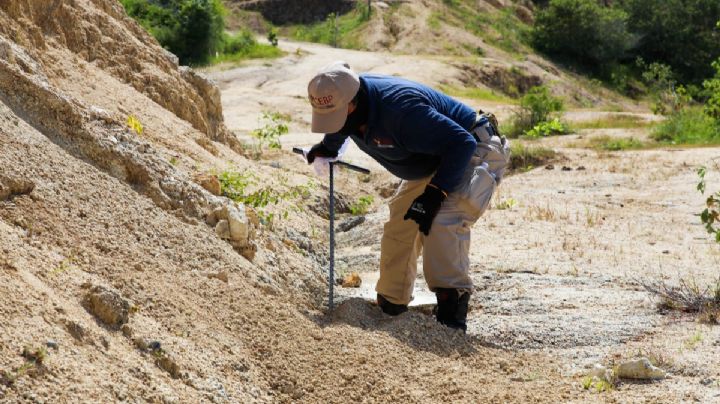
point(445, 250)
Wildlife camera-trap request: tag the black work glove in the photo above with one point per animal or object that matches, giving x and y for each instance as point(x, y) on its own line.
point(425, 207)
point(320, 150)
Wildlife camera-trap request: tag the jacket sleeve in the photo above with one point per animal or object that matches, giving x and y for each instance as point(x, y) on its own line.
point(422, 129)
point(334, 141)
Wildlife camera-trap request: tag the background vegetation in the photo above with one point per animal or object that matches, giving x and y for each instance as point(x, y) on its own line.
point(194, 30)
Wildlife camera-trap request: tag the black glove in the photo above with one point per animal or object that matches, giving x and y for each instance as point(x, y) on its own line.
point(320, 150)
point(425, 207)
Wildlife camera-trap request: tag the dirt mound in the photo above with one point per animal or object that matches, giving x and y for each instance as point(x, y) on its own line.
point(39, 37)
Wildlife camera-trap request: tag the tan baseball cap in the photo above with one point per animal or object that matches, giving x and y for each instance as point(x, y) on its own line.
point(330, 92)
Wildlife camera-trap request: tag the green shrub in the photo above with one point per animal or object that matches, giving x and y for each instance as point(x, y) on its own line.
point(191, 29)
point(540, 104)
point(710, 216)
point(582, 31)
point(712, 87)
point(688, 126)
point(244, 187)
point(536, 106)
point(274, 126)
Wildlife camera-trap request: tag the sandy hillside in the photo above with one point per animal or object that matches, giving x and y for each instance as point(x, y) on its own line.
point(124, 278)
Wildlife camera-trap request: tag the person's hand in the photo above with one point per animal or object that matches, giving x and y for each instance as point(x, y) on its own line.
point(425, 207)
point(320, 150)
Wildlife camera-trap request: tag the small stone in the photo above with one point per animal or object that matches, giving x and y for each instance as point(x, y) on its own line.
point(76, 330)
point(581, 168)
point(169, 365)
point(352, 280)
point(222, 229)
point(154, 345)
point(141, 343)
point(52, 344)
point(666, 252)
point(566, 168)
point(108, 306)
point(221, 275)
point(550, 167)
point(639, 369)
point(350, 223)
point(127, 330)
point(210, 182)
point(238, 222)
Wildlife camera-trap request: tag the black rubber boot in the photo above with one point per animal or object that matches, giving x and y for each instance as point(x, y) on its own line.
point(390, 308)
point(452, 308)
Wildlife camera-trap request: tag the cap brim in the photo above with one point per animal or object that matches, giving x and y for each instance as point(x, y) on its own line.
point(329, 122)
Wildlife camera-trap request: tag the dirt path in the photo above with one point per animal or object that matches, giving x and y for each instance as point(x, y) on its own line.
point(558, 272)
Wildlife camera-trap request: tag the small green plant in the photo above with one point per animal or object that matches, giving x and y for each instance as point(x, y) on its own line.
point(548, 128)
point(65, 265)
point(506, 204)
point(694, 340)
point(361, 206)
point(710, 216)
point(274, 126)
point(34, 358)
point(599, 385)
point(173, 161)
point(273, 37)
point(135, 125)
point(244, 188)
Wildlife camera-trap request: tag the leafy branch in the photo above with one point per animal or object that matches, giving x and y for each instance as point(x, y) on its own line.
point(710, 216)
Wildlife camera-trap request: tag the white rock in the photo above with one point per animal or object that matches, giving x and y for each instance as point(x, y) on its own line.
point(239, 225)
point(222, 229)
point(640, 369)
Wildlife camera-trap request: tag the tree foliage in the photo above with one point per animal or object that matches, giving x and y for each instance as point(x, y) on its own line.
point(582, 31)
point(680, 33)
point(191, 29)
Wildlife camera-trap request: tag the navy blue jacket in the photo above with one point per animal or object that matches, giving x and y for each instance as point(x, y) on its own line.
point(414, 131)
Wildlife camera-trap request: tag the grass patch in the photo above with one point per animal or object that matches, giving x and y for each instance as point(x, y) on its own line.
point(476, 93)
point(688, 126)
point(348, 25)
point(525, 158)
point(256, 51)
point(619, 121)
point(501, 29)
point(242, 46)
point(609, 143)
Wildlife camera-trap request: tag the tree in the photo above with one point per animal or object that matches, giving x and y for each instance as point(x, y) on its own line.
point(680, 33)
point(583, 32)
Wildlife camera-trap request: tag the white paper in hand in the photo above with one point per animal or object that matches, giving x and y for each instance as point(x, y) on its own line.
point(322, 164)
